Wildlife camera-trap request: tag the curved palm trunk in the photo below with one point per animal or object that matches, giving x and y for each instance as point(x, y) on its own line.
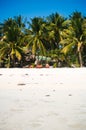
point(79, 54)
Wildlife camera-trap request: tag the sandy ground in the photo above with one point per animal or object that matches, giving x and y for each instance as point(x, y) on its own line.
point(43, 99)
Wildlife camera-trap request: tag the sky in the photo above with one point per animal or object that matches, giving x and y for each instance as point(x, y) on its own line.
point(40, 8)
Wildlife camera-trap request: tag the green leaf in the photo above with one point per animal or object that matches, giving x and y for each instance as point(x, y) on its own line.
point(67, 48)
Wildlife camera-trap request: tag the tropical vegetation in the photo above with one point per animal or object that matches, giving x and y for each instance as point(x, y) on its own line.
point(59, 41)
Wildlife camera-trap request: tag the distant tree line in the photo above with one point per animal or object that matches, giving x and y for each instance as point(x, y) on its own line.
point(61, 39)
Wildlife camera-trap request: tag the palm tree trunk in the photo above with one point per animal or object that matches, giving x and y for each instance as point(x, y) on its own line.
point(13, 61)
point(80, 58)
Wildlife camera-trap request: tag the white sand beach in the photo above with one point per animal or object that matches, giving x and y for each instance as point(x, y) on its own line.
point(43, 99)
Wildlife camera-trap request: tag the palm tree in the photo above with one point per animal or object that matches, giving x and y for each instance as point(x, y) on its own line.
point(11, 42)
point(56, 25)
point(34, 37)
point(74, 36)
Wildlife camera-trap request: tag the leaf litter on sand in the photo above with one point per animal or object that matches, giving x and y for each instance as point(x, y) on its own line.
point(21, 84)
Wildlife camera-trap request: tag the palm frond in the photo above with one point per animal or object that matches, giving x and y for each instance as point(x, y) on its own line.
point(18, 55)
point(67, 48)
